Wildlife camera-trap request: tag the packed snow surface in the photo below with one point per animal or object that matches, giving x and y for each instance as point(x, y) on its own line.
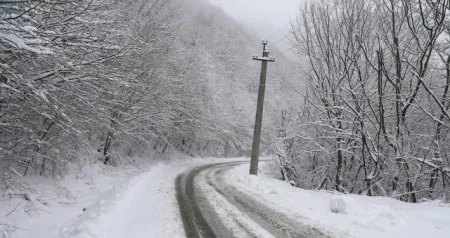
point(100, 202)
point(142, 207)
point(108, 202)
point(359, 216)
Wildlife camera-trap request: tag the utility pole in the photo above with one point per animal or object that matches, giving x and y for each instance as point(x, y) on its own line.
point(259, 108)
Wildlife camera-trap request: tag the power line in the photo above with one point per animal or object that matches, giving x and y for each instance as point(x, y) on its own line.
point(282, 39)
point(276, 32)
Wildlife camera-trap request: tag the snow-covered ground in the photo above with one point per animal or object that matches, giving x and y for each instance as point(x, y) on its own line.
point(51, 202)
point(134, 201)
point(359, 216)
point(144, 206)
point(100, 201)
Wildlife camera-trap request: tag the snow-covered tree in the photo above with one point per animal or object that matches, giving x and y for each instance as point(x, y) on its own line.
point(373, 70)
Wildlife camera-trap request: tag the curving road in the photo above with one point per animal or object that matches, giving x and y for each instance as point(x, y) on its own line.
point(200, 219)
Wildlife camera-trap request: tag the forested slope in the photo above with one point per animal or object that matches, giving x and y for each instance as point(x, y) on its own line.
point(376, 113)
point(107, 80)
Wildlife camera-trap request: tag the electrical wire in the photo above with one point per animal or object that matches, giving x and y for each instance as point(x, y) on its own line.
point(277, 42)
point(272, 35)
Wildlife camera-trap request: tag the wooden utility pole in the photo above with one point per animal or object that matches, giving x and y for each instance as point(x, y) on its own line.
point(259, 108)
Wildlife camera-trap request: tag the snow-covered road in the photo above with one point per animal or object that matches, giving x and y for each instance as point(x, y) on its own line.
point(145, 206)
point(231, 203)
point(217, 198)
point(211, 207)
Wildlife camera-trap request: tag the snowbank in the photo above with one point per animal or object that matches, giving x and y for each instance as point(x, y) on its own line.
point(145, 206)
point(359, 216)
point(100, 202)
point(51, 202)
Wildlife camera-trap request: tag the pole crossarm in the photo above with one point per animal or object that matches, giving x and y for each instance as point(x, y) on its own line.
point(270, 59)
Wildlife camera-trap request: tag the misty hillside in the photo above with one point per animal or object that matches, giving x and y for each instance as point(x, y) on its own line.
point(117, 81)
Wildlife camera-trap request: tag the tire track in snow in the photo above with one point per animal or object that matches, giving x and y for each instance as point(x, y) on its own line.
point(194, 223)
point(244, 225)
point(200, 219)
point(275, 222)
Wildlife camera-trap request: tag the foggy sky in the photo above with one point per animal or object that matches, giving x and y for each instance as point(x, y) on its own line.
point(264, 17)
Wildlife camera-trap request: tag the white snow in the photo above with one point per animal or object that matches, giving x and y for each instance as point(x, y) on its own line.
point(145, 206)
point(358, 216)
point(129, 201)
point(137, 202)
point(21, 43)
point(230, 215)
point(2, 85)
point(339, 204)
point(52, 202)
